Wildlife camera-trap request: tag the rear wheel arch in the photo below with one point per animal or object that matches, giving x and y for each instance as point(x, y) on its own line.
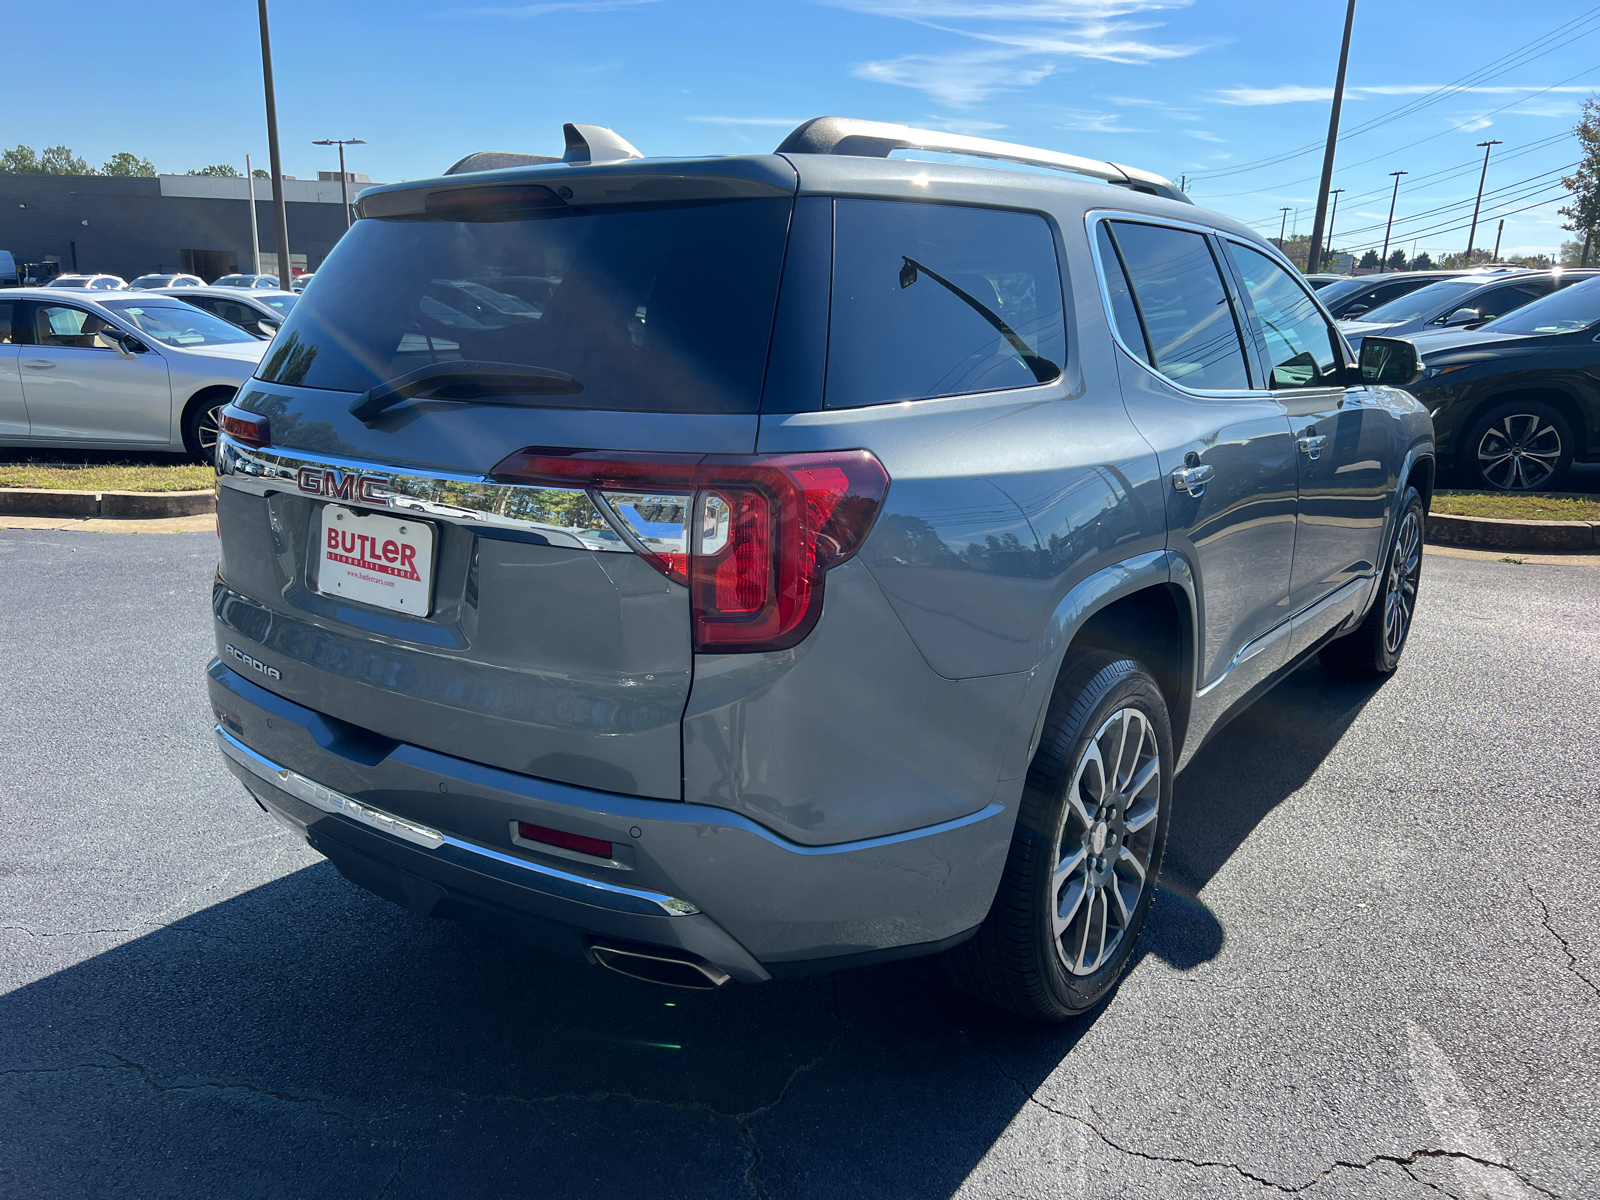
point(1421, 476)
point(1154, 626)
point(205, 397)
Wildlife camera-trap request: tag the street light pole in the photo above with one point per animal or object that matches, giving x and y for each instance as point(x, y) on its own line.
point(344, 178)
point(255, 230)
point(280, 205)
point(1314, 252)
point(1498, 234)
point(1283, 228)
point(1473, 232)
point(1332, 217)
point(1383, 259)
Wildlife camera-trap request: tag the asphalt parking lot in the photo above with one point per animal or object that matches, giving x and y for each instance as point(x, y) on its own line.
point(1374, 970)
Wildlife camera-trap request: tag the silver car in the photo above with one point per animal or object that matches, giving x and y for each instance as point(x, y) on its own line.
point(116, 371)
point(93, 283)
point(269, 282)
point(733, 568)
point(151, 282)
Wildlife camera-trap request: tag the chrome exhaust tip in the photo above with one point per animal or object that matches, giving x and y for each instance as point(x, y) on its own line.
point(661, 968)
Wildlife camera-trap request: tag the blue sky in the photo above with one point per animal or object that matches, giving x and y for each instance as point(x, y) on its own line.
point(1202, 88)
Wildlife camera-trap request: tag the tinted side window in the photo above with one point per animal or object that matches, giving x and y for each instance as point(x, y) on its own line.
point(1296, 337)
point(7, 334)
point(1187, 315)
point(1503, 300)
point(58, 325)
point(1123, 311)
point(940, 300)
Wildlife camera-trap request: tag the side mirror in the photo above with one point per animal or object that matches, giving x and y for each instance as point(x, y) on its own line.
point(1391, 361)
point(110, 339)
point(268, 329)
point(1463, 316)
point(1355, 310)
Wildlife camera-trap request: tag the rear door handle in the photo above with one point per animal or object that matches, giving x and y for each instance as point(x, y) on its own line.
point(1313, 444)
point(1192, 479)
point(39, 364)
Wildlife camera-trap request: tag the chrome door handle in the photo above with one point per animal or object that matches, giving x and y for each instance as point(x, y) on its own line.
point(1192, 479)
point(1313, 444)
point(39, 364)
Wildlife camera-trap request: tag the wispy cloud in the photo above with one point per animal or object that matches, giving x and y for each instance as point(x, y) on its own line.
point(1294, 93)
point(1027, 41)
point(1472, 125)
point(1160, 106)
point(554, 6)
point(775, 122)
point(1206, 136)
point(1084, 121)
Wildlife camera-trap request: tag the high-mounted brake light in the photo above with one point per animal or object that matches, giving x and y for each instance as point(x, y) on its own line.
point(243, 426)
point(752, 536)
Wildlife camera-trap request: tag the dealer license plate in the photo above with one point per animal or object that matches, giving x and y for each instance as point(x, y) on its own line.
point(376, 560)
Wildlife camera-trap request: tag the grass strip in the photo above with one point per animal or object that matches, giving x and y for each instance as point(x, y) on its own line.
point(1510, 507)
point(106, 477)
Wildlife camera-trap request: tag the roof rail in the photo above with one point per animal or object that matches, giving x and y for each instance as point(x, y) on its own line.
point(875, 139)
point(585, 144)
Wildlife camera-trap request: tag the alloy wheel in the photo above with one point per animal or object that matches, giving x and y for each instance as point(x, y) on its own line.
point(1105, 843)
point(1405, 572)
point(205, 430)
point(1519, 452)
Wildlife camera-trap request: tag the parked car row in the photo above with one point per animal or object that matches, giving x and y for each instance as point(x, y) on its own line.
point(115, 283)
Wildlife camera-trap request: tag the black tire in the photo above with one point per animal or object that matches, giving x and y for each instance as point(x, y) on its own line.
point(1019, 958)
point(1373, 649)
point(1519, 446)
point(200, 426)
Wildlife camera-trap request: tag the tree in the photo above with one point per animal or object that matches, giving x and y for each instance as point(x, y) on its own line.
point(1397, 261)
point(222, 169)
point(60, 160)
point(1534, 262)
point(258, 173)
point(1571, 254)
point(1369, 259)
point(21, 161)
point(1583, 214)
point(129, 166)
point(1422, 262)
point(1456, 262)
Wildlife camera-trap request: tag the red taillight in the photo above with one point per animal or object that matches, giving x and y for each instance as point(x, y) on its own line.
point(566, 841)
point(244, 426)
point(760, 532)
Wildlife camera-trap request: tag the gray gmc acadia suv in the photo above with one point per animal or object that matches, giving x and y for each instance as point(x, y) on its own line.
point(735, 568)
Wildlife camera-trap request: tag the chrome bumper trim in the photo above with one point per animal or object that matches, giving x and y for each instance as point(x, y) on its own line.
point(568, 886)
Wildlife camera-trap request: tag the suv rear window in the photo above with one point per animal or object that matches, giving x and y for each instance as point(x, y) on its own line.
point(652, 308)
point(940, 300)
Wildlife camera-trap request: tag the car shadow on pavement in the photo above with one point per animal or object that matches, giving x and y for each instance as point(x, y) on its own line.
point(307, 1039)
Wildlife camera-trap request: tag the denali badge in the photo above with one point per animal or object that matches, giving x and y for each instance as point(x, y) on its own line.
point(341, 485)
point(253, 663)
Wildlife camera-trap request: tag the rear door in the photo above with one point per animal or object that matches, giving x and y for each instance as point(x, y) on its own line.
point(13, 411)
point(78, 390)
point(541, 633)
point(1222, 439)
point(1341, 436)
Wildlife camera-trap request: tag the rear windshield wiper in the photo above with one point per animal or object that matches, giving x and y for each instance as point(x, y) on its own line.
point(487, 382)
point(1043, 369)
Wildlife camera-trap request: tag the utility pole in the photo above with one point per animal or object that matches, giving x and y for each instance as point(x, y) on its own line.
point(1476, 204)
point(255, 232)
point(1497, 235)
point(1383, 259)
point(1332, 217)
point(344, 179)
point(1315, 252)
point(280, 205)
point(1283, 226)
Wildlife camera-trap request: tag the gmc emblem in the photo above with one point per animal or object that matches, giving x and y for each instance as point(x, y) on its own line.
point(341, 485)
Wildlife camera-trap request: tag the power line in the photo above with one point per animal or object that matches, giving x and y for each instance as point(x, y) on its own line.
point(1463, 203)
point(1561, 36)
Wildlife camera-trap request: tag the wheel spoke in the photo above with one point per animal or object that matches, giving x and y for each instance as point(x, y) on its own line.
point(1143, 777)
point(1103, 905)
point(1091, 777)
point(1067, 906)
point(1126, 857)
point(1068, 864)
point(1137, 819)
point(1124, 912)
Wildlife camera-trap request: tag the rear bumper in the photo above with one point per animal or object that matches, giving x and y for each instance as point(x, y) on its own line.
point(433, 833)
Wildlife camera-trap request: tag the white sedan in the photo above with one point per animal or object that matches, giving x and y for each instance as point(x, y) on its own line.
point(116, 371)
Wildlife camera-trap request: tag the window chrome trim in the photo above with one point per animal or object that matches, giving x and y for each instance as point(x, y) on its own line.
point(444, 847)
point(1093, 218)
point(462, 499)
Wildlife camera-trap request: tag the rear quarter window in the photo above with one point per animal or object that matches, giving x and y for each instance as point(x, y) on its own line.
point(940, 300)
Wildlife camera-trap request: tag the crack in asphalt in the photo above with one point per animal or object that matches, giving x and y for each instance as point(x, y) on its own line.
point(740, 1120)
point(1403, 1162)
point(399, 1166)
point(208, 1085)
point(1572, 959)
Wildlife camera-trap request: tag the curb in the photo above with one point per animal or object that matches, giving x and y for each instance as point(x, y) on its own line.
point(139, 506)
point(1494, 533)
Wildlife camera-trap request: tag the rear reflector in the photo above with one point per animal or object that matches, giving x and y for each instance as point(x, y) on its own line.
point(754, 537)
point(567, 841)
point(244, 426)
